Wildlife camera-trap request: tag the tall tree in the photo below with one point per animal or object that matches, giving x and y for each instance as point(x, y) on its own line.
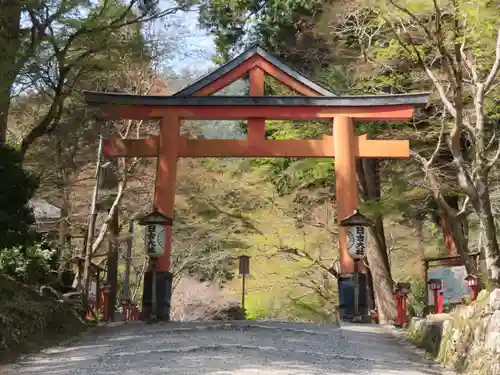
point(286, 27)
point(16, 189)
point(56, 45)
point(457, 45)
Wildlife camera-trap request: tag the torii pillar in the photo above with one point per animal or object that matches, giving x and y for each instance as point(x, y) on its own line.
point(346, 186)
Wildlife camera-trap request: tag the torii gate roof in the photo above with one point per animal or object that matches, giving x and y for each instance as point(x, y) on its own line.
point(199, 93)
point(262, 57)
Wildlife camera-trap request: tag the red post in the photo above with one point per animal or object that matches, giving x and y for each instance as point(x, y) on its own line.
point(404, 298)
point(436, 301)
point(402, 291)
point(440, 305)
point(124, 310)
point(436, 285)
point(101, 300)
point(475, 292)
point(400, 310)
point(473, 282)
point(106, 290)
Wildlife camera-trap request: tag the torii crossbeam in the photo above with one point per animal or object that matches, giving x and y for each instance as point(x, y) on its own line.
point(195, 103)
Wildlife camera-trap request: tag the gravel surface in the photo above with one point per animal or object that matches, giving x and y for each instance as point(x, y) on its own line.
point(241, 348)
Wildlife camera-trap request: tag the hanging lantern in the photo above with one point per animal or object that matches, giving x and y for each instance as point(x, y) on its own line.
point(155, 223)
point(357, 226)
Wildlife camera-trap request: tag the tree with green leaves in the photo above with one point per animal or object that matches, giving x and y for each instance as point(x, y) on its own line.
point(59, 43)
point(286, 27)
point(16, 189)
point(456, 46)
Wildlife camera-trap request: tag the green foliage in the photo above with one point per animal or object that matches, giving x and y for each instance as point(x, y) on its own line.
point(273, 23)
point(16, 189)
point(417, 304)
point(207, 261)
point(30, 265)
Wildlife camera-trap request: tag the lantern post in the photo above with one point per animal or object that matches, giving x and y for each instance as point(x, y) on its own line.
point(106, 290)
point(473, 282)
point(436, 285)
point(401, 292)
point(155, 223)
point(357, 226)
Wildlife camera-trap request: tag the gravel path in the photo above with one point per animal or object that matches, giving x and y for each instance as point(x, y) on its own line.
point(242, 348)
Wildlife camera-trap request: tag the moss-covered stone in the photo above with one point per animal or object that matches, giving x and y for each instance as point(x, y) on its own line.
point(29, 321)
point(467, 339)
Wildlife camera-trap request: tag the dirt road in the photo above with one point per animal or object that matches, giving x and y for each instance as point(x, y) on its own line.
point(242, 348)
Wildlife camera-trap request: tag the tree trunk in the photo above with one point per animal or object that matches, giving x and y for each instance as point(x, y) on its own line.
point(91, 228)
point(449, 242)
point(112, 264)
point(461, 243)
point(487, 230)
point(418, 224)
point(378, 259)
point(10, 28)
point(457, 229)
point(446, 222)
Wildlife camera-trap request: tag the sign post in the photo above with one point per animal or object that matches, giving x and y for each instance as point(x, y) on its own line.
point(244, 263)
point(357, 241)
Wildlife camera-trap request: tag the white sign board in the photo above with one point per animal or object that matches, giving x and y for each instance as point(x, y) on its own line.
point(93, 291)
point(454, 284)
point(155, 240)
point(357, 241)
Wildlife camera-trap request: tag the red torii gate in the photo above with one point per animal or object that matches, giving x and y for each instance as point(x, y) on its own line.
point(196, 102)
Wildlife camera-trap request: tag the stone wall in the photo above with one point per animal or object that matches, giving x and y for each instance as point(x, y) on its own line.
point(466, 340)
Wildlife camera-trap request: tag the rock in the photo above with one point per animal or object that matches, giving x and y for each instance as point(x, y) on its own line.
point(494, 301)
point(492, 340)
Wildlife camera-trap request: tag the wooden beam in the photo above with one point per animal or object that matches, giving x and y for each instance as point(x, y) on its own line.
point(249, 65)
point(366, 113)
point(136, 147)
point(322, 148)
point(227, 79)
point(256, 127)
point(286, 79)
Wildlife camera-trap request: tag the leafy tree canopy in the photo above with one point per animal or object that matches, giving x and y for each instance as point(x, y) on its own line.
point(16, 189)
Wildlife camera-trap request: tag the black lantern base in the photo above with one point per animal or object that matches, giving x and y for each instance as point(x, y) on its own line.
point(346, 297)
point(163, 296)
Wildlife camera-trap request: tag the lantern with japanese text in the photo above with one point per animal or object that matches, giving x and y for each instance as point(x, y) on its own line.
point(357, 226)
point(155, 223)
